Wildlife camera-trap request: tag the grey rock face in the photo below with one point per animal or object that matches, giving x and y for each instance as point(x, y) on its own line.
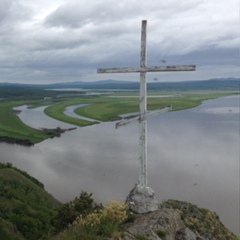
point(160, 224)
point(142, 200)
point(185, 234)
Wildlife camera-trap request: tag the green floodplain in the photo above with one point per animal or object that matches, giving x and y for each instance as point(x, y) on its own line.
point(101, 108)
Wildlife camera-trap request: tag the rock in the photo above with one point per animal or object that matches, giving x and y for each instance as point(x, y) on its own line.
point(172, 220)
point(128, 236)
point(157, 225)
point(142, 200)
point(177, 220)
point(185, 234)
point(205, 224)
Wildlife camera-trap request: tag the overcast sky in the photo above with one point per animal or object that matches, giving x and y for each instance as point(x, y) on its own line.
point(48, 41)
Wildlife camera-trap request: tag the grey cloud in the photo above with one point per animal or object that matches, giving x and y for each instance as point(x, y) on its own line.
point(77, 14)
point(65, 16)
point(78, 37)
point(5, 6)
point(12, 11)
point(199, 57)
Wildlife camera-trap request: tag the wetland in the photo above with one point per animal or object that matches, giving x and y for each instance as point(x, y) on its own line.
point(193, 154)
point(94, 109)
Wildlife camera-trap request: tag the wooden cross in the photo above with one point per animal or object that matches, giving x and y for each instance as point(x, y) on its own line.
point(143, 114)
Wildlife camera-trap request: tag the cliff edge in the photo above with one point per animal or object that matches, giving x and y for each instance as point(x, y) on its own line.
point(177, 220)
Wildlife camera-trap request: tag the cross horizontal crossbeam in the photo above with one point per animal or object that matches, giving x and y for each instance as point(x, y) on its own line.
point(143, 69)
point(135, 118)
point(148, 69)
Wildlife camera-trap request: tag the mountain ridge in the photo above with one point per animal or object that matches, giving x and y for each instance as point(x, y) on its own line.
point(109, 84)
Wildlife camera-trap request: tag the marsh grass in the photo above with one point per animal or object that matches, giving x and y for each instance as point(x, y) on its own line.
point(104, 108)
point(12, 127)
point(57, 111)
point(111, 108)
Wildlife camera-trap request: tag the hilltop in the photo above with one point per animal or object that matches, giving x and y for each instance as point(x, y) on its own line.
point(28, 212)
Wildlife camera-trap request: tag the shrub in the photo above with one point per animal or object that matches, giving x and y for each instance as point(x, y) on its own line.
point(106, 222)
point(68, 212)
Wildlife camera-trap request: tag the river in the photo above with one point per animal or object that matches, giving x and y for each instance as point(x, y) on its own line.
point(193, 155)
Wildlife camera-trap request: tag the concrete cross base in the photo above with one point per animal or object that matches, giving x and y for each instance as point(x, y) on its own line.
point(142, 200)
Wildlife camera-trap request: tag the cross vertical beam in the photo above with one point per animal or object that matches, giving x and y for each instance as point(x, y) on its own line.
point(143, 114)
point(142, 181)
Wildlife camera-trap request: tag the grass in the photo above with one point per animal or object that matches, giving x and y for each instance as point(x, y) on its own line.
point(104, 108)
point(109, 109)
point(57, 111)
point(26, 209)
point(8, 231)
point(12, 127)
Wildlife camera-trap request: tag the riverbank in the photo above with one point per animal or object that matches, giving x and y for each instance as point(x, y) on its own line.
point(51, 133)
point(101, 109)
point(189, 152)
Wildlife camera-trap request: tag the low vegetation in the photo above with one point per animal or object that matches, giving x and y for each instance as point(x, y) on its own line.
point(17, 93)
point(28, 212)
point(12, 129)
point(99, 108)
point(101, 224)
point(69, 212)
point(200, 220)
point(56, 111)
point(26, 209)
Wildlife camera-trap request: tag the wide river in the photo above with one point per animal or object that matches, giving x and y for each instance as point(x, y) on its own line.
point(193, 155)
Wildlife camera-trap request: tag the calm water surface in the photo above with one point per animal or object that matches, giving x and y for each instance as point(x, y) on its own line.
point(193, 155)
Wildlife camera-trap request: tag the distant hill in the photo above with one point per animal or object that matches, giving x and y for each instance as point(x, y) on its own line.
point(211, 84)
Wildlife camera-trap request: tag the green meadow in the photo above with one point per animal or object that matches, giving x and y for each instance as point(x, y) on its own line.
point(12, 128)
point(108, 108)
point(101, 108)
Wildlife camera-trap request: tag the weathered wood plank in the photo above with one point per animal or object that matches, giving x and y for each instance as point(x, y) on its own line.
point(133, 119)
point(148, 69)
point(143, 114)
point(143, 60)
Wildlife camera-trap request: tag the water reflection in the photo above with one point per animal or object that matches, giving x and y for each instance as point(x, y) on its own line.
point(70, 111)
point(193, 155)
point(35, 118)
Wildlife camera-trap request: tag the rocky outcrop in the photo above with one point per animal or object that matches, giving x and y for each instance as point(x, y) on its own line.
point(158, 225)
point(184, 222)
